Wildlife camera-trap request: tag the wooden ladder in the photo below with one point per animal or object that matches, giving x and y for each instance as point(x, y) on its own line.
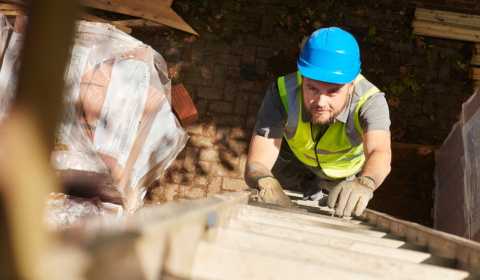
point(232, 236)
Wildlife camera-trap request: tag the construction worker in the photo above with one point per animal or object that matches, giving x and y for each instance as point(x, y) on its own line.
point(322, 127)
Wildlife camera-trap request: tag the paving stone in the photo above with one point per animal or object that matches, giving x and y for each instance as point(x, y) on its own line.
point(263, 52)
point(251, 121)
point(225, 169)
point(217, 47)
point(219, 76)
point(201, 106)
point(230, 91)
point(198, 79)
point(215, 186)
point(221, 107)
point(256, 98)
point(183, 177)
point(228, 59)
point(209, 130)
point(255, 9)
point(234, 184)
point(239, 147)
point(236, 47)
point(200, 141)
point(171, 191)
point(261, 66)
point(250, 86)
point(252, 39)
point(253, 110)
point(195, 128)
point(241, 103)
point(222, 135)
point(191, 158)
point(277, 10)
point(266, 26)
point(191, 192)
point(230, 120)
point(210, 93)
point(240, 133)
point(249, 55)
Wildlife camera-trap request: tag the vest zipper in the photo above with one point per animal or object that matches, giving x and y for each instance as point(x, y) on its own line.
point(316, 144)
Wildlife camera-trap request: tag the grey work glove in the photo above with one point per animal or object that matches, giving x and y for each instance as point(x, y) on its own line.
point(352, 195)
point(272, 192)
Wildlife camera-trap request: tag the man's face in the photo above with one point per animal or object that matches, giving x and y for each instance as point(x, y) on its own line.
point(324, 101)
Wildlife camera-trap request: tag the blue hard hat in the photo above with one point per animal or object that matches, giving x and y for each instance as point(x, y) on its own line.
point(330, 55)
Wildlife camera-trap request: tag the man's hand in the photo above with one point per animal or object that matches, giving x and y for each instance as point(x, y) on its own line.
point(352, 195)
point(272, 192)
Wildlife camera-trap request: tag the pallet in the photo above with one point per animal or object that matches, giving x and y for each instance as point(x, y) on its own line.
point(182, 106)
point(447, 25)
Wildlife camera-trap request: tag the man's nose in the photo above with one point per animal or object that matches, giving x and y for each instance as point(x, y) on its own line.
point(321, 100)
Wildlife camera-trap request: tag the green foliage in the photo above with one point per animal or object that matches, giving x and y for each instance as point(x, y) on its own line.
point(432, 118)
point(205, 4)
point(397, 90)
point(431, 59)
point(372, 31)
point(412, 37)
point(376, 5)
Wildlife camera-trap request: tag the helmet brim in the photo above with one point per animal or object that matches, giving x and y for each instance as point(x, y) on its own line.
point(324, 75)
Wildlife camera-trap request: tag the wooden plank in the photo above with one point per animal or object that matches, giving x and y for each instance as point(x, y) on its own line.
point(444, 14)
point(444, 34)
point(386, 266)
point(447, 20)
point(215, 262)
point(14, 13)
point(10, 7)
point(138, 23)
point(163, 15)
point(439, 243)
point(89, 17)
point(452, 28)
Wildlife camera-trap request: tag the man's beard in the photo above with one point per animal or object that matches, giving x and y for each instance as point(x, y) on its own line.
point(321, 119)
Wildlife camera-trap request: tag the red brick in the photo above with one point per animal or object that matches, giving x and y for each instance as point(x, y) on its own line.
point(182, 106)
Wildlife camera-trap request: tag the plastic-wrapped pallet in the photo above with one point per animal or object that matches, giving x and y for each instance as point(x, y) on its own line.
point(10, 61)
point(117, 132)
point(117, 126)
point(457, 190)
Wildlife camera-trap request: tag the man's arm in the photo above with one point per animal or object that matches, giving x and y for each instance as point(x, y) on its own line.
point(378, 154)
point(262, 154)
point(353, 196)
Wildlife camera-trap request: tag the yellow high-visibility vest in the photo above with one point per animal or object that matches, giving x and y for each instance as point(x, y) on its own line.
point(339, 152)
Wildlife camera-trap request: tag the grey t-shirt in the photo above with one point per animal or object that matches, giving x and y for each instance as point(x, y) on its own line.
point(272, 117)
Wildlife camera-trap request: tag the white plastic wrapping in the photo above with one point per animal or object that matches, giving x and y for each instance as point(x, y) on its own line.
point(64, 212)
point(117, 132)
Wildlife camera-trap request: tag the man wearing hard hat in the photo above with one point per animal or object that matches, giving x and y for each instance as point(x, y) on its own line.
point(322, 127)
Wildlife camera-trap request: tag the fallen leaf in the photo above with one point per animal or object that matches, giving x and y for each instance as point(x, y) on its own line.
point(172, 43)
point(398, 133)
point(208, 28)
point(301, 30)
point(310, 12)
point(224, 12)
point(372, 31)
point(392, 83)
point(191, 39)
point(371, 70)
point(432, 118)
point(409, 114)
point(403, 69)
point(459, 45)
point(317, 25)
point(201, 10)
point(185, 8)
point(420, 43)
point(219, 16)
point(307, 21)
point(378, 39)
point(402, 13)
point(301, 23)
point(324, 15)
point(393, 101)
point(360, 12)
point(364, 25)
point(389, 25)
point(397, 90)
point(209, 19)
point(340, 15)
point(427, 79)
point(289, 22)
point(376, 58)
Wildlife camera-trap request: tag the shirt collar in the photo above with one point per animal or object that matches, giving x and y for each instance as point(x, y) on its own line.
point(342, 117)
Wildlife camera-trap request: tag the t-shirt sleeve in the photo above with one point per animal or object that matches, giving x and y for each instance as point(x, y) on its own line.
point(272, 117)
point(374, 114)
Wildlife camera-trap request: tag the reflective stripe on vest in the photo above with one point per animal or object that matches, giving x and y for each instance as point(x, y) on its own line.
point(340, 150)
